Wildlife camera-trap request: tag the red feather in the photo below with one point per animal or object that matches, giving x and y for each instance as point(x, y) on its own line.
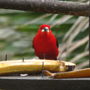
point(45, 43)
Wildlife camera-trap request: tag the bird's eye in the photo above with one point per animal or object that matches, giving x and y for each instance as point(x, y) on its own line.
point(42, 30)
point(47, 28)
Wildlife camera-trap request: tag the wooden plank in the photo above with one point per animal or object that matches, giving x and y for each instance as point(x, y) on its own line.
point(43, 83)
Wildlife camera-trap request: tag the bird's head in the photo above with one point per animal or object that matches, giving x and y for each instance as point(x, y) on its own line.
point(44, 29)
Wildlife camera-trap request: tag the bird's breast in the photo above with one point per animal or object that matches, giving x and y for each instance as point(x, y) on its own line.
point(45, 44)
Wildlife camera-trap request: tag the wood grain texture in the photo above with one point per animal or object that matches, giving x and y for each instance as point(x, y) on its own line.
point(48, 6)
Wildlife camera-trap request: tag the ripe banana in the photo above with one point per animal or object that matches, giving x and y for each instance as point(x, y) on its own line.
point(17, 66)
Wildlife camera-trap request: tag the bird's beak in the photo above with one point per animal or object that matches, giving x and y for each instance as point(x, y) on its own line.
point(45, 29)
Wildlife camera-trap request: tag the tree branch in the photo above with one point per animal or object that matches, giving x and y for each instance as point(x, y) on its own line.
point(48, 6)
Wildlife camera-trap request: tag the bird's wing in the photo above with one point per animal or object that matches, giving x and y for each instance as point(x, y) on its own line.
point(33, 43)
point(57, 43)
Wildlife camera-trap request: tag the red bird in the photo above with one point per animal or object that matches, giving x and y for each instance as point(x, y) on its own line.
point(45, 43)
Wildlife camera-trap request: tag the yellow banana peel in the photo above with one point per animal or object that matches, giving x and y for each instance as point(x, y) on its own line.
point(17, 66)
point(71, 74)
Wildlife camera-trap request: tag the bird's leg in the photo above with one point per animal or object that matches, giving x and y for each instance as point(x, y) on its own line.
point(42, 68)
